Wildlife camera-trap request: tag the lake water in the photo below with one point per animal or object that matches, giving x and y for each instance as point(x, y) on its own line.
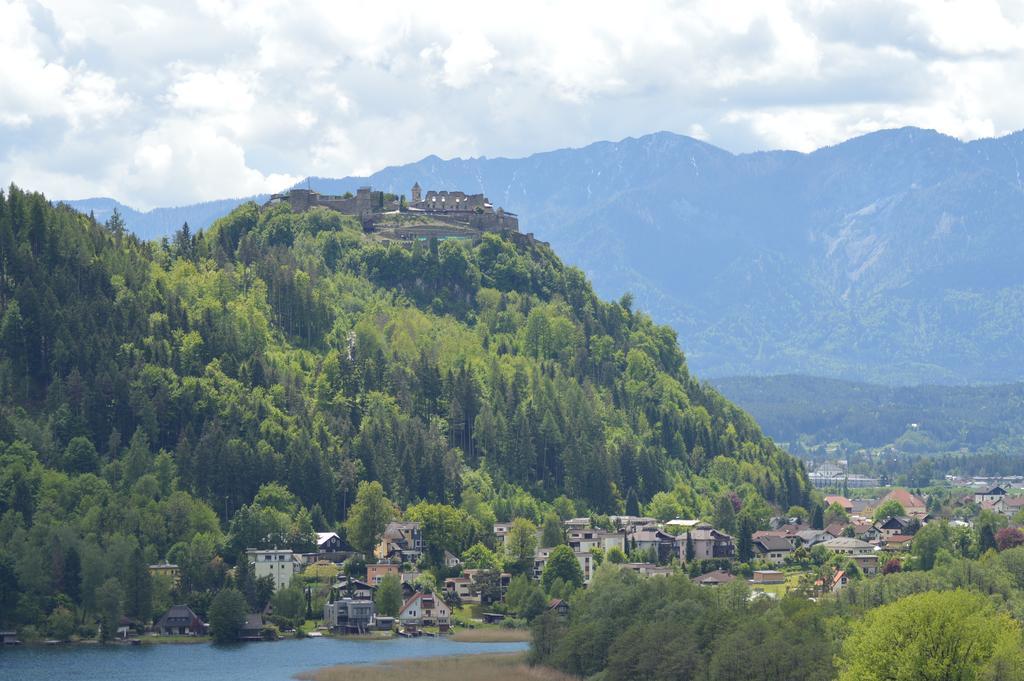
point(277, 661)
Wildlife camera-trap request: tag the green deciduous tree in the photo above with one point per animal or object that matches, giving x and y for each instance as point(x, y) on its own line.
point(889, 509)
point(109, 601)
point(479, 557)
point(551, 532)
point(725, 514)
point(934, 636)
point(520, 544)
point(562, 564)
point(227, 615)
point(388, 597)
point(368, 516)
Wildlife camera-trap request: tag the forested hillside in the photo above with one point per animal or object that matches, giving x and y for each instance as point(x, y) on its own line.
point(892, 257)
point(152, 392)
point(919, 419)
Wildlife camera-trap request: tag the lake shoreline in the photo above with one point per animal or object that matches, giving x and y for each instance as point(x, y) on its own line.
point(235, 662)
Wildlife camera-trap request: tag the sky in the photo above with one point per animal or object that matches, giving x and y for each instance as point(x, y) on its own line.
point(169, 103)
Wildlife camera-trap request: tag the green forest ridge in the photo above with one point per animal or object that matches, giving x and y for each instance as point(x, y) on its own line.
point(230, 388)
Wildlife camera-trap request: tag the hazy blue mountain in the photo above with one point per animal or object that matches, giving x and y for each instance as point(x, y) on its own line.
point(158, 222)
point(893, 257)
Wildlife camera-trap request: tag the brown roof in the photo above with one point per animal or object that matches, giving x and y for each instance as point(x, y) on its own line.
point(837, 499)
point(898, 538)
point(715, 577)
point(905, 499)
point(761, 534)
point(836, 529)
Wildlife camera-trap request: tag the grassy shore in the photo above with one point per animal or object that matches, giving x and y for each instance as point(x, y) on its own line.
point(491, 635)
point(491, 667)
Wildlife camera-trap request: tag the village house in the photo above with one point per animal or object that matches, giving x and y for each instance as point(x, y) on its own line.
point(559, 607)
point(278, 563)
point(991, 495)
point(866, 532)
point(894, 525)
point(843, 502)
point(425, 610)
point(451, 560)
point(836, 529)
point(911, 503)
point(660, 544)
point(707, 543)
point(897, 542)
point(461, 588)
point(678, 526)
point(354, 588)
point(376, 572)
point(649, 569)
point(768, 577)
point(862, 553)
point(811, 538)
point(350, 615)
point(481, 578)
point(586, 539)
point(402, 541)
point(585, 559)
point(1009, 506)
point(165, 569)
point(252, 628)
point(631, 523)
point(833, 584)
point(180, 620)
point(328, 542)
point(576, 524)
point(501, 530)
point(714, 578)
point(774, 550)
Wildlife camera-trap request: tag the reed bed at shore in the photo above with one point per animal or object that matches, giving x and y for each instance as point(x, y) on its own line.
point(485, 667)
point(492, 635)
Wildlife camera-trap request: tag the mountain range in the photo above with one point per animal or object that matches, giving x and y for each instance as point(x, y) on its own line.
point(892, 257)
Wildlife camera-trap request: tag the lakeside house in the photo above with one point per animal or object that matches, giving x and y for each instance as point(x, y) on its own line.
point(180, 620)
point(349, 615)
point(252, 628)
point(425, 610)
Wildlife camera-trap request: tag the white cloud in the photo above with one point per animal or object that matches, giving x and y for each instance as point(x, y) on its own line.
point(167, 102)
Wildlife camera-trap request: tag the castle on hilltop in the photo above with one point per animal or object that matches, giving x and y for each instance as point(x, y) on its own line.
point(437, 209)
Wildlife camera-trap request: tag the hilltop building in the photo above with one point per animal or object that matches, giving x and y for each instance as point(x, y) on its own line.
point(435, 214)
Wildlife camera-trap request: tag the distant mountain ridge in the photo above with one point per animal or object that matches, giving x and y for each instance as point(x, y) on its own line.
point(923, 418)
point(893, 257)
point(160, 222)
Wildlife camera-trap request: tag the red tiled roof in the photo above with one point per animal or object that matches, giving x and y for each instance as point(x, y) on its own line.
point(905, 499)
point(898, 538)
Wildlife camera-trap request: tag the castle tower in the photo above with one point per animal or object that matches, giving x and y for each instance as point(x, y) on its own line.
point(416, 197)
